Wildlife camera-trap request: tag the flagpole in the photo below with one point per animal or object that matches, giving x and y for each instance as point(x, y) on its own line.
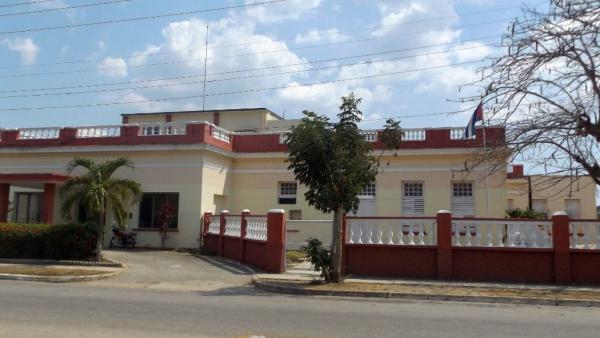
point(487, 180)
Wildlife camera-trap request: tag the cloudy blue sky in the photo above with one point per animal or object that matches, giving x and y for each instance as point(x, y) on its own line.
point(405, 58)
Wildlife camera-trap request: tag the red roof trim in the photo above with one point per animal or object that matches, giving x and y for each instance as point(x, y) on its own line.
point(33, 178)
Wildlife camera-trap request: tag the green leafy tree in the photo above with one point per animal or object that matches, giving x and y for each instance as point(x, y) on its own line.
point(335, 163)
point(98, 190)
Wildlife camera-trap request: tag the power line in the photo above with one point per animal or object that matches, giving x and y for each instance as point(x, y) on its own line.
point(132, 56)
point(92, 4)
point(141, 18)
point(370, 28)
point(232, 78)
point(244, 70)
point(25, 3)
point(240, 91)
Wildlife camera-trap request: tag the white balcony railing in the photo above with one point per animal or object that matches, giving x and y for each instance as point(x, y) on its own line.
point(99, 131)
point(283, 137)
point(413, 135)
point(221, 134)
point(38, 133)
point(162, 129)
point(369, 135)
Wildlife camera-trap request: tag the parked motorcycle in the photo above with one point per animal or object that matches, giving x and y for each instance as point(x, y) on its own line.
point(122, 239)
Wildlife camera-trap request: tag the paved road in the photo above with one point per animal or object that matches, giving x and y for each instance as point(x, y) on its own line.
point(30, 309)
point(167, 294)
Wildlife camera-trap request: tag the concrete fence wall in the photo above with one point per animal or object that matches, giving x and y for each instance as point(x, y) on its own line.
point(299, 231)
point(559, 250)
point(255, 240)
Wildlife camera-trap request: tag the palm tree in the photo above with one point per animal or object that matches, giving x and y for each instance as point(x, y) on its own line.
point(97, 190)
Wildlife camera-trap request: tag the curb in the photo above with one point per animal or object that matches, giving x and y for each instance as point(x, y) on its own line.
point(274, 287)
point(59, 279)
point(108, 263)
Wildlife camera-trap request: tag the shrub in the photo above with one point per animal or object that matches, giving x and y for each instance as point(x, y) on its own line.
point(43, 241)
point(525, 213)
point(319, 257)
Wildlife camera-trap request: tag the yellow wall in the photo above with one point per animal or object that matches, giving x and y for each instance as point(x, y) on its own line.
point(210, 181)
point(555, 191)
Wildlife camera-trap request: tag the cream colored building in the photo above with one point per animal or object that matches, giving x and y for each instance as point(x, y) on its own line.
point(234, 159)
point(548, 194)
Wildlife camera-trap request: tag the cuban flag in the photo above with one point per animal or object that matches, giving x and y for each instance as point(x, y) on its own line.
point(477, 116)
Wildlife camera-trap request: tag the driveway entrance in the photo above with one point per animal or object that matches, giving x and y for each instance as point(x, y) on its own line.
point(170, 270)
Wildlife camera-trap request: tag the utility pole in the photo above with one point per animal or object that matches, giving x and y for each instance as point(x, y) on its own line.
point(205, 59)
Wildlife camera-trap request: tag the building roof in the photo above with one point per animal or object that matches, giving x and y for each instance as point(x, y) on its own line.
point(208, 111)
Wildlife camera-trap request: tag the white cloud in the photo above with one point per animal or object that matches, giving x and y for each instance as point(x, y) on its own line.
point(326, 35)
point(140, 57)
point(113, 67)
point(476, 51)
point(394, 17)
point(276, 12)
point(27, 49)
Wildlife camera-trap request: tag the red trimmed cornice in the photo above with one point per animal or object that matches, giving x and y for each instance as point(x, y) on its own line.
point(33, 178)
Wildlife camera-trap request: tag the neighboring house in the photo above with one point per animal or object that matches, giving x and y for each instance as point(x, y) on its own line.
point(576, 196)
point(233, 159)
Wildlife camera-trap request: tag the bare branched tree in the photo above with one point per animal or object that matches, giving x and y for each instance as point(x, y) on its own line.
point(545, 88)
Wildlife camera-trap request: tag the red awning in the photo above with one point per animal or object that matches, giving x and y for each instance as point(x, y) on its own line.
point(33, 178)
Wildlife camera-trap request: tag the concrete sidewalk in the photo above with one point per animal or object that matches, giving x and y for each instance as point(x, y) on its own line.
point(301, 280)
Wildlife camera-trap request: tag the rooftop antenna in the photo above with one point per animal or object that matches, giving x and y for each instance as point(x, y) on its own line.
point(205, 59)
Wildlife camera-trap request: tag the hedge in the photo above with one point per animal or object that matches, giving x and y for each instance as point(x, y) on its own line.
point(43, 241)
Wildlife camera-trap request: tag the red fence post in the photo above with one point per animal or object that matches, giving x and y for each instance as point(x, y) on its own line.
point(275, 245)
point(561, 245)
point(221, 250)
point(243, 230)
point(444, 244)
point(204, 231)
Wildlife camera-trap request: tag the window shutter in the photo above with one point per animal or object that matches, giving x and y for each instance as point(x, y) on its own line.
point(413, 201)
point(463, 203)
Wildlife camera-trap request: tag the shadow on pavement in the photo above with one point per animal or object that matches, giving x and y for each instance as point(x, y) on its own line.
point(228, 265)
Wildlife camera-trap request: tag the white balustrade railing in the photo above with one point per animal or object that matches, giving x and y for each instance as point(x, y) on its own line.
point(215, 225)
point(459, 134)
point(221, 134)
point(162, 128)
point(256, 228)
point(584, 235)
point(38, 133)
point(413, 134)
point(501, 233)
point(98, 131)
point(397, 231)
point(233, 226)
point(369, 135)
point(283, 137)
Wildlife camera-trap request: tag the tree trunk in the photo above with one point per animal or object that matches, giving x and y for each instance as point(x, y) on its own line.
point(337, 245)
point(101, 219)
point(99, 235)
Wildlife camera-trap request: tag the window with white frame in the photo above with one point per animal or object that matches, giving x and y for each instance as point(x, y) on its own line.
point(287, 192)
point(369, 191)
point(413, 199)
point(463, 201)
